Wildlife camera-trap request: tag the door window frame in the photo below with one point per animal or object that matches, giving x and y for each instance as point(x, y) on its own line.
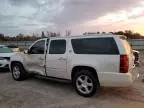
point(50, 44)
point(36, 42)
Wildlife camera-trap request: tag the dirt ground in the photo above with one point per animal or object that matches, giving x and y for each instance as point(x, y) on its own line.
point(40, 93)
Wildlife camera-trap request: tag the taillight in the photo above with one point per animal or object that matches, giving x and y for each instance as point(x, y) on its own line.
point(124, 63)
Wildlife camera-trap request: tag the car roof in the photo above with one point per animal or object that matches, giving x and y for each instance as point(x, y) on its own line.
point(12, 46)
point(1, 46)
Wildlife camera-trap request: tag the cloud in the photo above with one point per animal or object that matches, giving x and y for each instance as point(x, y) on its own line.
point(83, 10)
point(37, 15)
point(120, 20)
point(137, 15)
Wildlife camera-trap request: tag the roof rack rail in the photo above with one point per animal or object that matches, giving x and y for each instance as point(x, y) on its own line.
point(96, 33)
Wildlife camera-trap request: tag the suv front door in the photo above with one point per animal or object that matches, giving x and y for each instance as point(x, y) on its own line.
point(35, 59)
point(56, 59)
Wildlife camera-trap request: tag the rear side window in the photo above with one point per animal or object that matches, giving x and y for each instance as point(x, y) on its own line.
point(95, 46)
point(57, 47)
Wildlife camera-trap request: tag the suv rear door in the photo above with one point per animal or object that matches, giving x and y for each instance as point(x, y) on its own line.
point(56, 58)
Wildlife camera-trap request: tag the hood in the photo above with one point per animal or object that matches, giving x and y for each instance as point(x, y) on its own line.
point(6, 54)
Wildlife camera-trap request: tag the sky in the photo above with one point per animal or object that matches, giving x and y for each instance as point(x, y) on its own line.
point(79, 16)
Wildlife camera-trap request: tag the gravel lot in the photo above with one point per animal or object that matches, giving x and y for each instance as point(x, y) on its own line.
point(38, 93)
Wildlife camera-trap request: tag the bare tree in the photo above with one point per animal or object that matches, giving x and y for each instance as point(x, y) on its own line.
point(68, 32)
point(2, 36)
point(42, 35)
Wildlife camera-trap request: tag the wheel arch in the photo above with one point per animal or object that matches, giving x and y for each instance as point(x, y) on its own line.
point(13, 62)
point(91, 69)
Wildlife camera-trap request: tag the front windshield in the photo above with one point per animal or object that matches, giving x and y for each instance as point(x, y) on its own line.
point(5, 50)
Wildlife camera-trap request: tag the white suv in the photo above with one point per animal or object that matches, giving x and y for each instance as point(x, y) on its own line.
point(88, 61)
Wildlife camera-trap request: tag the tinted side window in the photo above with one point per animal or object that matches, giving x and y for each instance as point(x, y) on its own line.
point(57, 47)
point(38, 47)
point(95, 46)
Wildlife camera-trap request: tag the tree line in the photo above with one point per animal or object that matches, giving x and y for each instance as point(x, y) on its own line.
point(21, 37)
point(128, 33)
point(33, 37)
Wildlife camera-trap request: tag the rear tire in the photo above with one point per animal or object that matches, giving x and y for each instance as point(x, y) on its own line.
point(18, 72)
point(85, 83)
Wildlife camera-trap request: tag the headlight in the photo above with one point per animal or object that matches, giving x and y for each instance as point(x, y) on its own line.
point(16, 50)
point(5, 58)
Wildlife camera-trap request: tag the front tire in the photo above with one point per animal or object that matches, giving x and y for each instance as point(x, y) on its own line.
point(85, 83)
point(18, 72)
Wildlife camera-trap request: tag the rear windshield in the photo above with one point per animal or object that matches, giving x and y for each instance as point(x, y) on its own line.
point(94, 46)
point(5, 50)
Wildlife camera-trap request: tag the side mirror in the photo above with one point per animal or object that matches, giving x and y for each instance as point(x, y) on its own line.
point(28, 51)
point(25, 51)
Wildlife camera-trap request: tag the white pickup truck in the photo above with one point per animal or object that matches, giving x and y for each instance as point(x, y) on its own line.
point(88, 61)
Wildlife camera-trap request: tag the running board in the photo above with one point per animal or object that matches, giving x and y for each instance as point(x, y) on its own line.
point(52, 78)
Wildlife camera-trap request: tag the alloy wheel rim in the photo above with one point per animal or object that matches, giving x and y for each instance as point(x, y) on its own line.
point(84, 84)
point(16, 72)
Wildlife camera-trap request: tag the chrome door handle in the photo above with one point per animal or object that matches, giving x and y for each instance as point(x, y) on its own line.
point(61, 58)
point(42, 65)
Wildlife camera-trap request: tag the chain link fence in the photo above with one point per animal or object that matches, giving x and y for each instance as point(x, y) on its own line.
point(137, 44)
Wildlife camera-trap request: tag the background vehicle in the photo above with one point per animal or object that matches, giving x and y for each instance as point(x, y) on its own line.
point(136, 55)
point(5, 54)
point(88, 61)
point(14, 48)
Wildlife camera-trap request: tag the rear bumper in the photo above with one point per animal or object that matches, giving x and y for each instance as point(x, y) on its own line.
point(110, 79)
